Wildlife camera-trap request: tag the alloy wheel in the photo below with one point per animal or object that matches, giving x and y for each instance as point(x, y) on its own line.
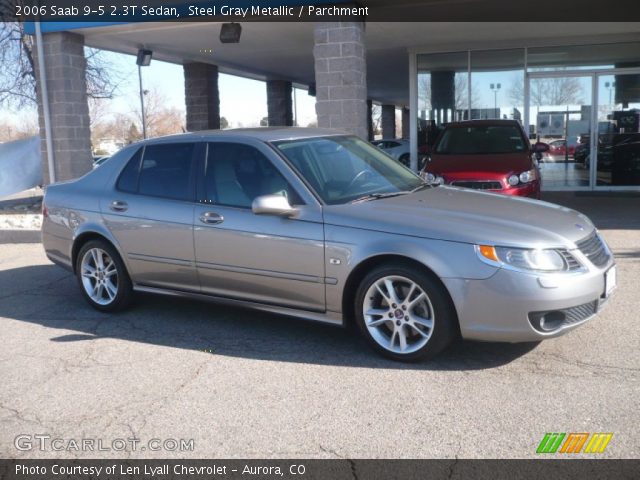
point(398, 314)
point(99, 276)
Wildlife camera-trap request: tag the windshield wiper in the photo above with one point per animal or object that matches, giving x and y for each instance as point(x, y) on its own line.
point(377, 196)
point(421, 186)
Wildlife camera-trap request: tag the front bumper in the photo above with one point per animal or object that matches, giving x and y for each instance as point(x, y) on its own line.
point(530, 190)
point(498, 308)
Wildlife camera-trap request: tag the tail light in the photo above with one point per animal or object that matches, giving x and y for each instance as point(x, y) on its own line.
point(45, 210)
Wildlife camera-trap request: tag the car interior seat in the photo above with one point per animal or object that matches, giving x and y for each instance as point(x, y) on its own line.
point(228, 189)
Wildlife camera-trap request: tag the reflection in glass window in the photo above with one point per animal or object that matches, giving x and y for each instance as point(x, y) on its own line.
point(497, 84)
point(236, 174)
point(583, 57)
point(166, 170)
point(618, 156)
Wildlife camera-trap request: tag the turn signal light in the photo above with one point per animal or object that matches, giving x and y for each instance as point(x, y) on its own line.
point(489, 252)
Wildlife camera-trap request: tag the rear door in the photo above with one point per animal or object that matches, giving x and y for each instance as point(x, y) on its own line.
point(264, 258)
point(150, 212)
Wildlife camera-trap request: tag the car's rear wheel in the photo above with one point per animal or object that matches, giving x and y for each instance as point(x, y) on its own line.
point(405, 313)
point(405, 159)
point(103, 278)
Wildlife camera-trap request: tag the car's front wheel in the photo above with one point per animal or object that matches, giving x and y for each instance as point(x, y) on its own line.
point(103, 277)
point(405, 313)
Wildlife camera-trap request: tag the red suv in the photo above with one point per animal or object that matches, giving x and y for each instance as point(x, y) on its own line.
point(493, 155)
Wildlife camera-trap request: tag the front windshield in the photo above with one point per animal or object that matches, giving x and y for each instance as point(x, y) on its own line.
point(481, 139)
point(342, 169)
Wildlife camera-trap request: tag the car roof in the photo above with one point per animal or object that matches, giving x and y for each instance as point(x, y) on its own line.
point(266, 134)
point(481, 123)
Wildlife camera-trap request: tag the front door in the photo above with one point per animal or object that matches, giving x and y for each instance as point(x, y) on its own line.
point(239, 254)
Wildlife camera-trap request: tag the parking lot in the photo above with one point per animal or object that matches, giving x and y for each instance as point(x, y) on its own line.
point(246, 384)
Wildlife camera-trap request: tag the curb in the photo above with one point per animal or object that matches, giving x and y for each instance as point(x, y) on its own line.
point(20, 236)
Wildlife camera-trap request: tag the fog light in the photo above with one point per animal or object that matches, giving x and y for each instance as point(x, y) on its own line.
point(547, 321)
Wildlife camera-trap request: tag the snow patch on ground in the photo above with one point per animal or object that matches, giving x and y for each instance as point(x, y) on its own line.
point(24, 221)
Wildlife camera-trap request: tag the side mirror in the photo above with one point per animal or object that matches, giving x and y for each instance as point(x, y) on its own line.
point(273, 205)
point(541, 147)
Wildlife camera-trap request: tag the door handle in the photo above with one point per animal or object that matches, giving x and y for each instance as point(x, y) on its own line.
point(119, 206)
point(211, 218)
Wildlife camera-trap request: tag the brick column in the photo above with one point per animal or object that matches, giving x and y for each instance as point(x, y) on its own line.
point(65, 65)
point(388, 121)
point(279, 106)
point(201, 95)
point(341, 77)
point(405, 122)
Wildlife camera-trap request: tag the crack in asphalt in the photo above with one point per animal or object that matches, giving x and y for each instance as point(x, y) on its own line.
point(21, 416)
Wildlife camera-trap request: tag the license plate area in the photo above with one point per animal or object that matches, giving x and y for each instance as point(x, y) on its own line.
point(610, 280)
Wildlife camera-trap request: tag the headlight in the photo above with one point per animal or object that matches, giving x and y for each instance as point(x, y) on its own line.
point(528, 176)
point(524, 177)
point(513, 180)
point(538, 260)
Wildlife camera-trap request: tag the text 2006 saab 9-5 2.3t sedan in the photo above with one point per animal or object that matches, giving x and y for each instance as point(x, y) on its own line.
point(321, 225)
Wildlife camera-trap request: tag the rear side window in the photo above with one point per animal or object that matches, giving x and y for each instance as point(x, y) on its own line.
point(128, 181)
point(163, 171)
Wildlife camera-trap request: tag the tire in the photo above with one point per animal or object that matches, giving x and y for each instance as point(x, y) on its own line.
point(405, 160)
point(423, 321)
point(102, 276)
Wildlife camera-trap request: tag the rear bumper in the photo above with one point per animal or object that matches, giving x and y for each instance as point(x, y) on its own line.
point(499, 308)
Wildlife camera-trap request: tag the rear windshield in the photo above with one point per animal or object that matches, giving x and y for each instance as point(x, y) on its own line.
point(478, 139)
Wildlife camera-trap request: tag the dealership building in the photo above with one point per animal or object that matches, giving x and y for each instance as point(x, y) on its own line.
point(575, 85)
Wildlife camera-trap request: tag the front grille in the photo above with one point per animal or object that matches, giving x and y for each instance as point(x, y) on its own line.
point(572, 263)
point(478, 185)
point(581, 312)
point(593, 248)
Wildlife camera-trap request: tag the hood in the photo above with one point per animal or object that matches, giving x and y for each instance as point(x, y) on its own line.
point(460, 215)
point(491, 165)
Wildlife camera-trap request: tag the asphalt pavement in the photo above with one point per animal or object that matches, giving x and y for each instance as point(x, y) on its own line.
point(232, 383)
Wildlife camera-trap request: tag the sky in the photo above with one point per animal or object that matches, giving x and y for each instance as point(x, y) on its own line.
point(243, 101)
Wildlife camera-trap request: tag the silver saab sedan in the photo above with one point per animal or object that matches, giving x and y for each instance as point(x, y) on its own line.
point(321, 225)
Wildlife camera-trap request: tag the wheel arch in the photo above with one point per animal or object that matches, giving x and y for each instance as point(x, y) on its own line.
point(87, 235)
point(358, 273)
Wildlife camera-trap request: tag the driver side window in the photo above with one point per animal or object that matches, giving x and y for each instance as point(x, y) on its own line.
point(235, 174)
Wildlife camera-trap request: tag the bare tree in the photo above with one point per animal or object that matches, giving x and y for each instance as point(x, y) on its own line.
point(160, 119)
point(18, 74)
point(424, 91)
point(25, 128)
point(548, 91)
point(376, 118)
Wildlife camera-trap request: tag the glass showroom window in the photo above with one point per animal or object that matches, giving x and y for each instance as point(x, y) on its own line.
point(497, 84)
point(443, 92)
